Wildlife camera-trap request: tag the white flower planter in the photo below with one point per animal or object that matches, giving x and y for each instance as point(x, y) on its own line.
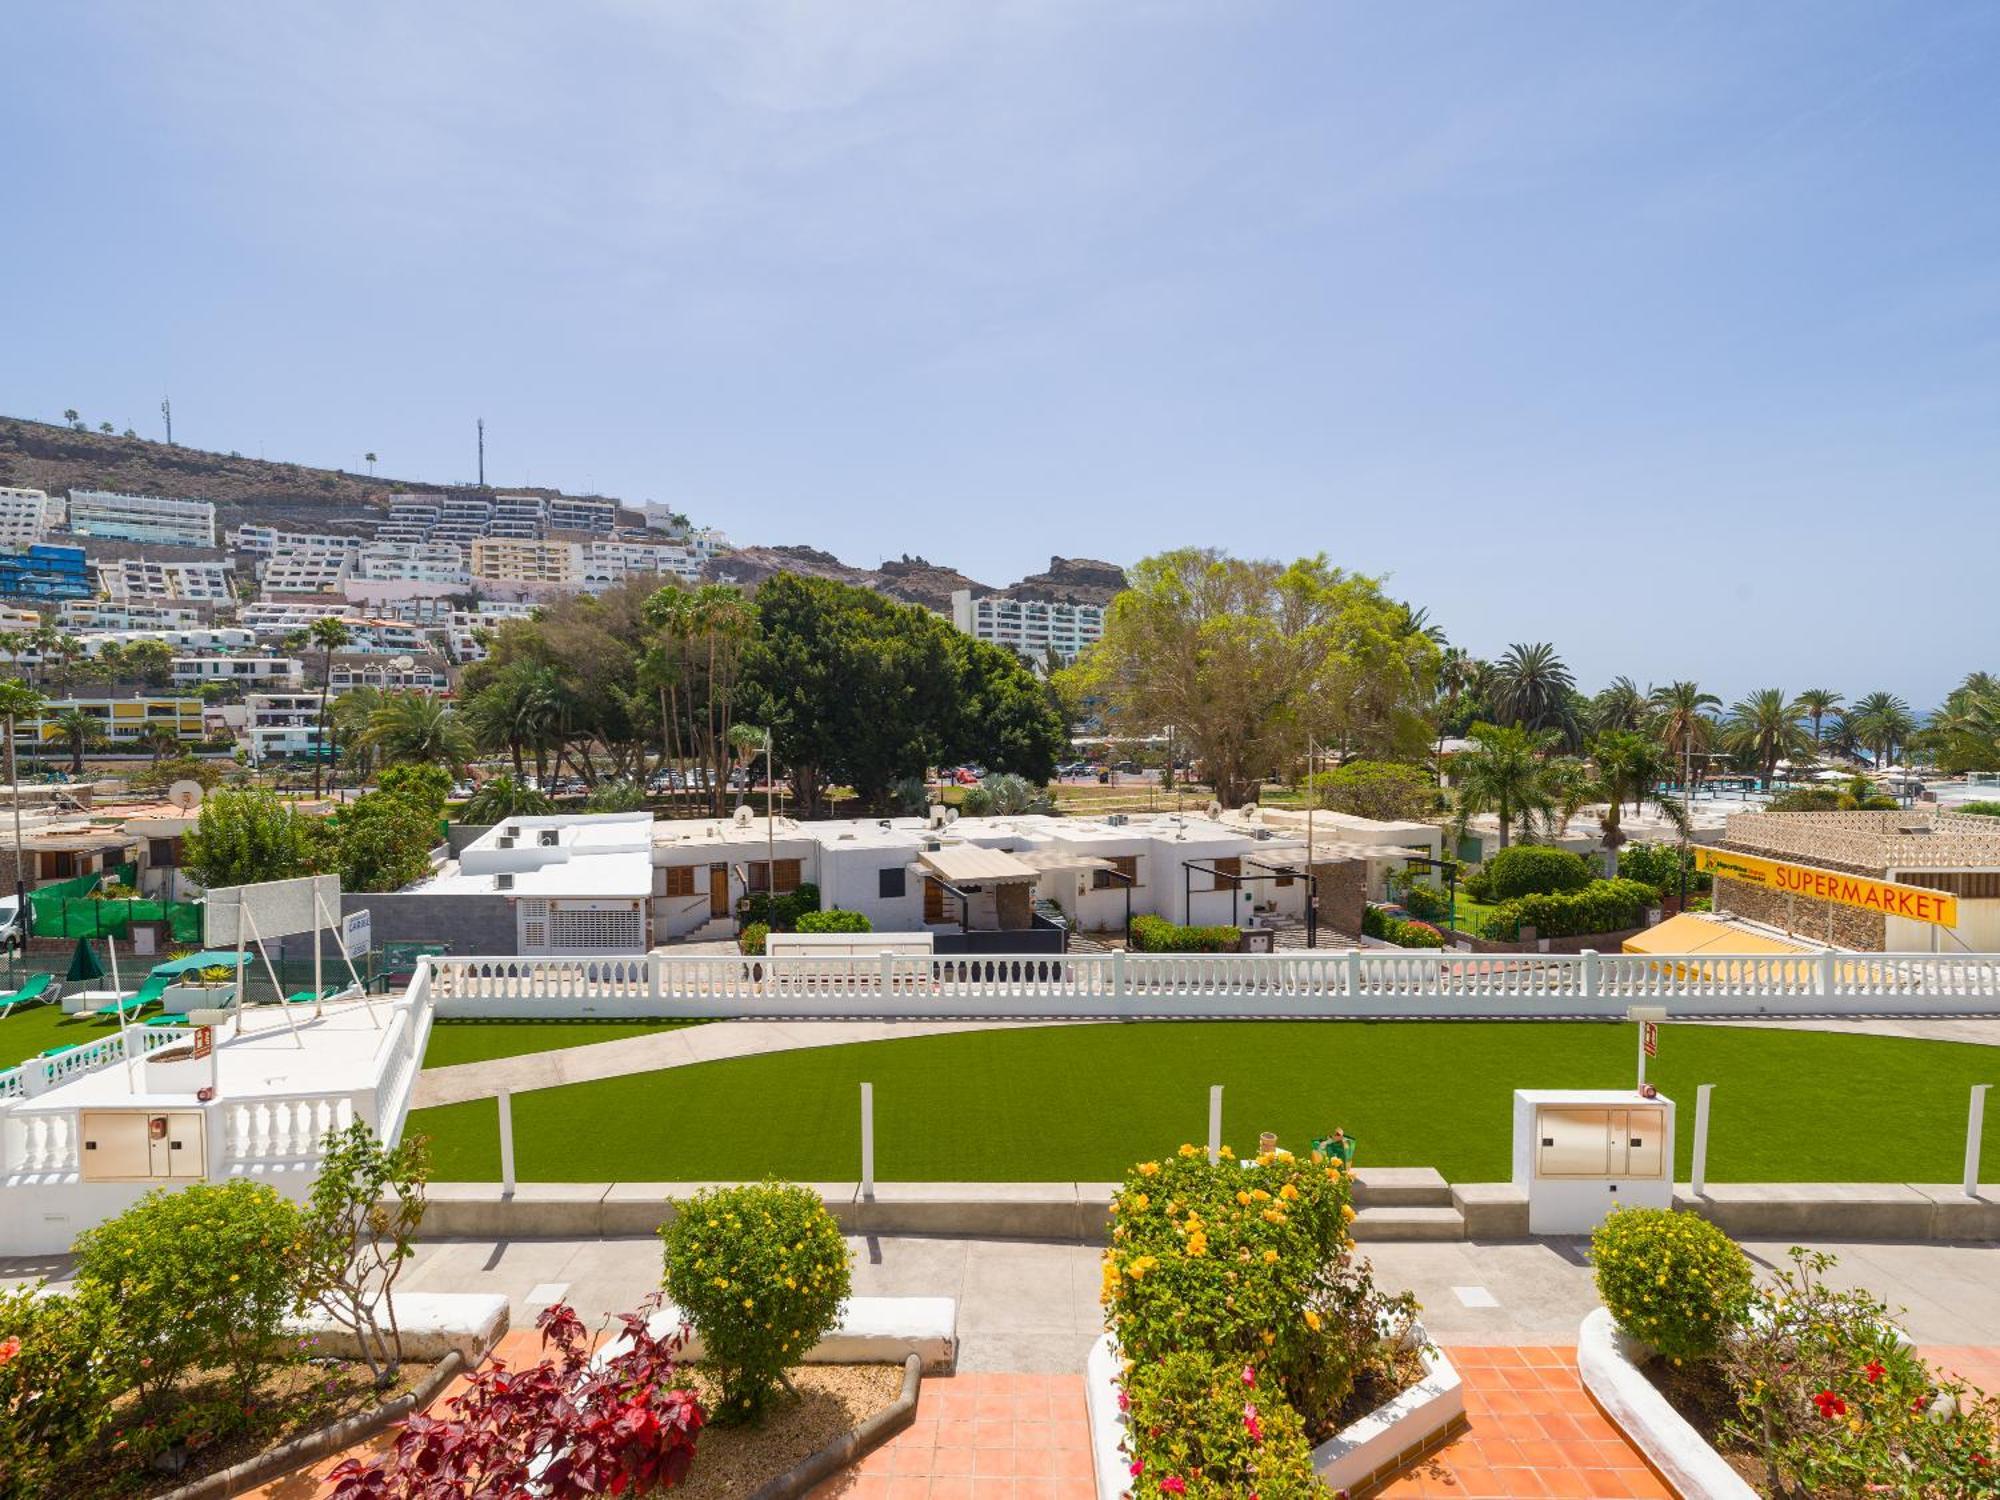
point(1385, 1439)
point(1609, 1363)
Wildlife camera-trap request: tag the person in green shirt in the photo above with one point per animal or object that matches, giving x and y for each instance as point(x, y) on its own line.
point(1340, 1146)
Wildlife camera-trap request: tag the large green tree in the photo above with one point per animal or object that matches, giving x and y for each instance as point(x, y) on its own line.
point(853, 687)
point(245, 836)
point(1242, 660)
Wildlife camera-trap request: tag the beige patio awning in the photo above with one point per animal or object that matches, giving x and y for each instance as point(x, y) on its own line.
point(1063, 859)
point(964, 864)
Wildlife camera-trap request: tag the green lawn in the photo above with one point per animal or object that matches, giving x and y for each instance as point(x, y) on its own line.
point(1471, 915)
point(1083, 1103)
point(481, 1041)
point(27, 1033)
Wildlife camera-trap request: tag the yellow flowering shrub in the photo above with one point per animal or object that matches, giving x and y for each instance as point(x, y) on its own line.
point(761, 1272)
point(1246, 1269)
point(1671, 1280)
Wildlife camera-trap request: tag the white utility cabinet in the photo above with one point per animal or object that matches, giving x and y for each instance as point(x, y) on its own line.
point(1579, 1153)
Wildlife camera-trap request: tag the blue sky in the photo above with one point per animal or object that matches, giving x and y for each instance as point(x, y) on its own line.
point(1668, 333)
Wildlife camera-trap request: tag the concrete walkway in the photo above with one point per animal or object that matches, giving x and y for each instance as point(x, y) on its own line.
point(668, 1049)
point(726, 1039)
point(1029, 1305)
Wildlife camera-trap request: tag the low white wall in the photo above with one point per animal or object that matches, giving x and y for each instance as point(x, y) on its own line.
point(1608, 1362)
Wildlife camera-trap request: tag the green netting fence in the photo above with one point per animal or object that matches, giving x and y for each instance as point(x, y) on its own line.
point(79, 909)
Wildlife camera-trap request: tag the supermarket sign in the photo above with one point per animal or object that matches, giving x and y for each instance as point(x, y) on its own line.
point(1911, 902)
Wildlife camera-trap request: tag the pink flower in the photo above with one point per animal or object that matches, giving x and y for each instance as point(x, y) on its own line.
point(1249, 1374)
point(1124, 1402)
point(1251, 1425)
point(8, 1349)
point(1138, 1467)
point(1173, 1484)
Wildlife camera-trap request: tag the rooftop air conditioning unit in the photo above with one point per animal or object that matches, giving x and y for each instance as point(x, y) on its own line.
point(549, 838)
point(1116, 820)
point(503, 882)
point(505, 841)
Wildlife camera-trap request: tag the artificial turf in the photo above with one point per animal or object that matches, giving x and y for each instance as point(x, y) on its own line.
point(1083, 1103)
point(468, 1041)
point(32, 1030)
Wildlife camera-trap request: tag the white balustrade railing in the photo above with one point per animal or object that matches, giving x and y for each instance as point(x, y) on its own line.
point(1371, 982)
point(292, 1128)
point(38, 1143)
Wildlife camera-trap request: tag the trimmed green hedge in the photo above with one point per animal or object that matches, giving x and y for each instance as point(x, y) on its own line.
point(1158, 935)
point(1601, 906)
point(835, 920)
point(1534, 870)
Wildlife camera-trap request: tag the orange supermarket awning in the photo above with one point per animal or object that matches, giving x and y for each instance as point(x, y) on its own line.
point(1691, 933)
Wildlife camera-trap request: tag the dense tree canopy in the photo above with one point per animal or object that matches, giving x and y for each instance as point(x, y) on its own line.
point(1244, 660)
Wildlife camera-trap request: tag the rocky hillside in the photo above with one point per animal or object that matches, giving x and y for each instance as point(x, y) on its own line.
point(1073, 580)
point(915, 580)
point(910, 579)
point(45, 456)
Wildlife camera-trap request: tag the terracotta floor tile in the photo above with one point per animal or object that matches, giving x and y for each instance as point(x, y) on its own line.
point(954, 1461)
point(951, 1487)
point(909, 1487)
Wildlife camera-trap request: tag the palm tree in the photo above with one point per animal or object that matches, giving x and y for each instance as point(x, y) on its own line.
point(1816, 704)
point(1502, 774)
point(1882, 722)
point(158, 740)
point(371, 464)
point(80, 732)
point(1456, 671)
point(1620, 706)
point(1532, 687)
point(1765, 728)
point(1630, 767)
point(517, 711)
point(329, 634)
point(18, 701)
point(415, 728)
point(1684, 720)
point(501, 798)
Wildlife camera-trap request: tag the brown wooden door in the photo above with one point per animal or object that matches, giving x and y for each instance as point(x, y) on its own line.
point(718, 890)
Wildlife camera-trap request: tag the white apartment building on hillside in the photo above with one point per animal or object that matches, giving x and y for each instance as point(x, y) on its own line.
point(273, 725)
point(149, 578)
point(1032, 627)
point(149, 619)
point(25, 516)
point(304, 572)
point(141, 518)
point(583, 513)
point(413, 562)
point(264, 673)
point(272, 617)
point(608, 562)
point(267, 540)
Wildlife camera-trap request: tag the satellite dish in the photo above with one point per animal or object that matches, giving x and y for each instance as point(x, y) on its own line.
point(950, 815)
point(743, 817)
point(403, 663)
point(1214, 809)
point(1252, 813)
point(186, 795)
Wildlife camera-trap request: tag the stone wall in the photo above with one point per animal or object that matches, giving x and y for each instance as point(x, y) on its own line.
point(1851, 926)
point(1343, 895)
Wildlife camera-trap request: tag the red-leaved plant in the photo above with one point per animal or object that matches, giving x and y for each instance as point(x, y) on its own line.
point(562, 1428)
